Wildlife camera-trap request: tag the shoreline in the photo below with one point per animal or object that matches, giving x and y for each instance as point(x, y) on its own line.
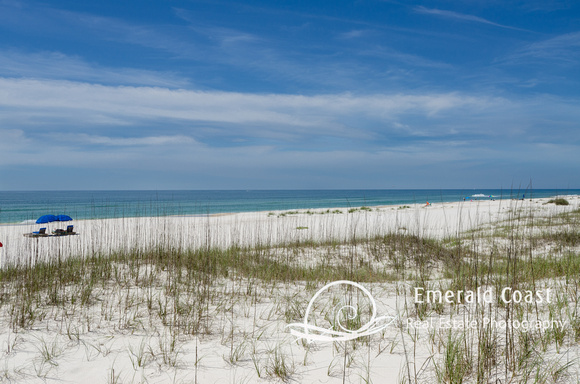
point(191, 203)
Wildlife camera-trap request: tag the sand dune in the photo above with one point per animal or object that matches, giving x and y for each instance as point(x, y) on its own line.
point(129, 331)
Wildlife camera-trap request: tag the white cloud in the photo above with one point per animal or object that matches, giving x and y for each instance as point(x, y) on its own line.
point(462, 17)
point(124, 141)
point(56, 65)
point(12, 139)
point(406, 58)
point(148, 159)
point(354, 34)
point(563, 48)
point(74, 104)
point(260, 136)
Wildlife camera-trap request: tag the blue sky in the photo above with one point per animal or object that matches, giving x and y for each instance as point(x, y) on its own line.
point(276, 95)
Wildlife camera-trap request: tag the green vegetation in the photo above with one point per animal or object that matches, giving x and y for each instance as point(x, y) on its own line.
point(558, 201)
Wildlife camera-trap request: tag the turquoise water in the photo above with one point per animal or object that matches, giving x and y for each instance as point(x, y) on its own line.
point(20, 206)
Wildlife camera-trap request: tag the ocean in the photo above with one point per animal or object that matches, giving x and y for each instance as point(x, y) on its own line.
point(25, 206)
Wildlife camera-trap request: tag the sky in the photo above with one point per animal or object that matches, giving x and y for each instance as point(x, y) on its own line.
point(188, 94)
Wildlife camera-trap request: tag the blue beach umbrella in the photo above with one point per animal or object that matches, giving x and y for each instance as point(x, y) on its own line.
point(63, 218)
point(46, 219)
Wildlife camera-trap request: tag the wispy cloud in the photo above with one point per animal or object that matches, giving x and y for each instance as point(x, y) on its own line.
point(73, 104)
point(411, 60)
point(563, 48)
point(268, 167)
point(91, 115)
point(354, 34)
point(214, 55)
point(222, 35)
point(85, 139)
point(463, 17)
point(56, 65)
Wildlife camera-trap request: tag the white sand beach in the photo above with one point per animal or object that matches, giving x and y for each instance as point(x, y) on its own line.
point(102, 236)
point(115, 339)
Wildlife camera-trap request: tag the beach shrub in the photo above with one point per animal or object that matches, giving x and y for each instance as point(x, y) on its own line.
point(559, 201)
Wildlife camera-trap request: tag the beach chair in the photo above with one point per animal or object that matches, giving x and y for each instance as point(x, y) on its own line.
point(69, 230)
point(62, 232)
point(40, 233)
